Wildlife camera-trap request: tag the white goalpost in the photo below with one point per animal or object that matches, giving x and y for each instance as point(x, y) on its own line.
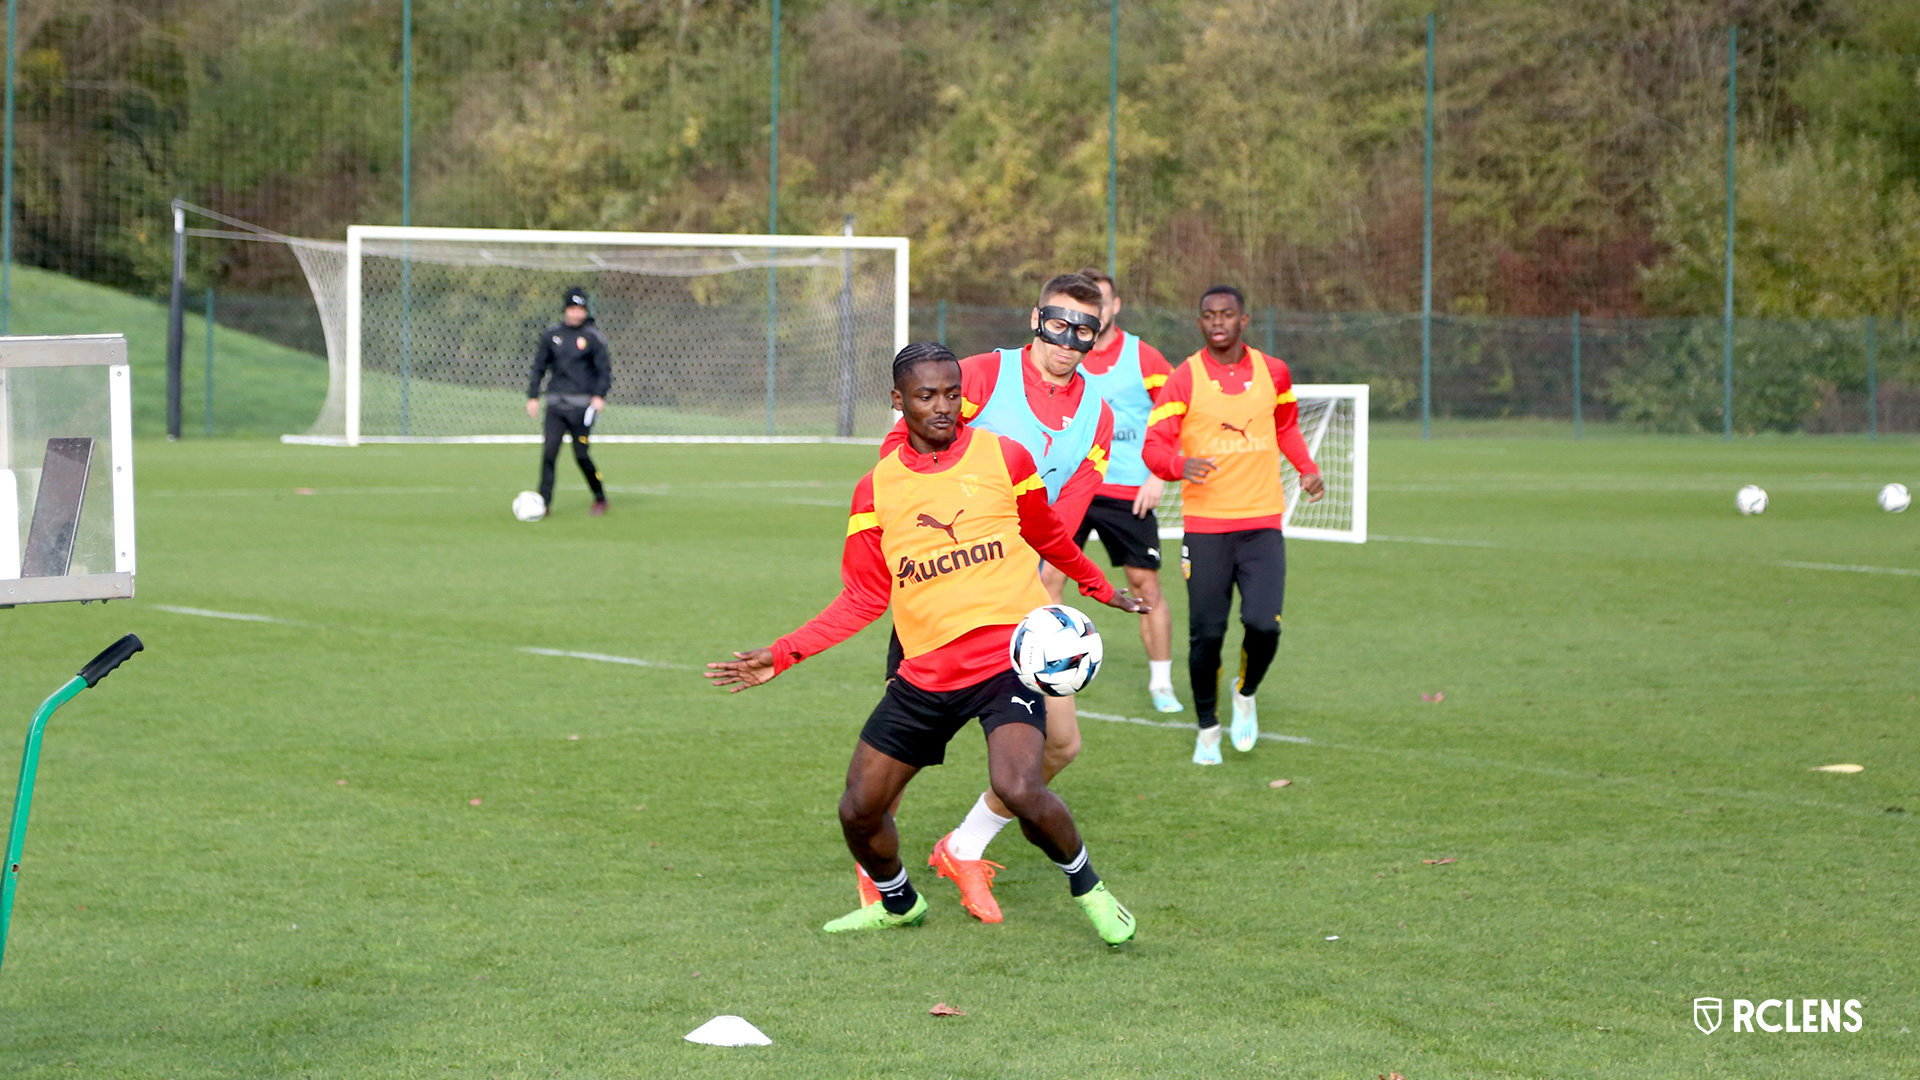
point(715, 337)
point(1333, 420)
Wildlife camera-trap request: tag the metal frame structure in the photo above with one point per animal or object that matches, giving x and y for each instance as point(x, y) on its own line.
point(357, 235)
point(109, 351)
point(1361, 396)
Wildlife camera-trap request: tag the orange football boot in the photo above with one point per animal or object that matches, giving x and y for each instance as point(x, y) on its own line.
point(974, 876)
point(869, 892)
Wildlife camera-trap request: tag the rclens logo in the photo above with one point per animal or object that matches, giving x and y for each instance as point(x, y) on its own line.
point(1799, 1015)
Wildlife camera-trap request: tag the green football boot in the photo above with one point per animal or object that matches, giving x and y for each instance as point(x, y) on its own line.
point(1113, 921)
point(877, 917)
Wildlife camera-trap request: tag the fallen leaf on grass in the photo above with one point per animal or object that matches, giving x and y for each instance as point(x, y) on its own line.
point(573, 738)
point(1839, 768)
point(303, 491)
point(473, 802)
point(1436, 696)
point(1279, 783)
point(1438, 862)
point(342, 783)
point(944, 1009)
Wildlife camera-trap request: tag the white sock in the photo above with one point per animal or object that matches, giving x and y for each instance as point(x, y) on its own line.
point(1159, 674)
point(1210, 736)
point(970, 840)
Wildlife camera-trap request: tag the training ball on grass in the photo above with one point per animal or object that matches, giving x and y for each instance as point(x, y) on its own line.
point(1895, 498)
point(529, 506)
point(1751, 500)
point(1056, 650)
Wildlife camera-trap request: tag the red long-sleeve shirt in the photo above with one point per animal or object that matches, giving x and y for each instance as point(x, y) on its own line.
point(1054, 406)
point(866, 584)
point(1162, 450)
point(1154, 371)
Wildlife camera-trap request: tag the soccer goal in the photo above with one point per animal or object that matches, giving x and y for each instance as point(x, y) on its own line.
point(715, 338)
point(1333, 420)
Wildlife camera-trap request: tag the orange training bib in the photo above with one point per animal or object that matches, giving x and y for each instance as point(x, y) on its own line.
point(1237, 432)
point(952, 540)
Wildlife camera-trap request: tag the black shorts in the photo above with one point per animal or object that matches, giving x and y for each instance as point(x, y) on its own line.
point(1130, 541)
point(915, 725)
point(1255, 560)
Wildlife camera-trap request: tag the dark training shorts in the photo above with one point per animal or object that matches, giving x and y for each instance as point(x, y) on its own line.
point(915, 725)
point(1255, 560)
point(1130, 541)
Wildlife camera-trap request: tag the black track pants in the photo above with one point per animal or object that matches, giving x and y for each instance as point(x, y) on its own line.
point(567, 420)
point(1255, 561)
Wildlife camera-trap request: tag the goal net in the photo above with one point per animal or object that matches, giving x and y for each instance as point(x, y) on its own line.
point(1333, 420)
point(431, 332)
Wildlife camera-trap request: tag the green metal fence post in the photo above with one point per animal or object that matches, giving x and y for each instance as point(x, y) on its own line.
point(1113, 136)
point(1426, 258)
point(406, 215)
point(1873, 384)
point(940, 330)
point(206, 411)
point(6, 188)
point(1726, 379)
point(1269, 329)
point(1576, 375)
point(773, 208)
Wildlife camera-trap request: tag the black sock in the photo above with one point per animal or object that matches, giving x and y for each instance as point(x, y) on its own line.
point(1203, 671)
point(1256, 655)
point(898, 894)
point(1080, 876)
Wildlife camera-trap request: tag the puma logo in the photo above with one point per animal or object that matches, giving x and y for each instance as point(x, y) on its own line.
point(1024, 703)
point(928, 521)
point(1241, 431)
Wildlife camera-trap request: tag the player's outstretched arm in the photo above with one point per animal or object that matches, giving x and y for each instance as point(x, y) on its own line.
point(1043, 530)
point(747, 669)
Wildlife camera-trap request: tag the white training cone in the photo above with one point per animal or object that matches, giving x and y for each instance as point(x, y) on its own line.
point(728, 1031)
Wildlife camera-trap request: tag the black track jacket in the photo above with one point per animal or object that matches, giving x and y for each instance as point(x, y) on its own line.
point(579, 358)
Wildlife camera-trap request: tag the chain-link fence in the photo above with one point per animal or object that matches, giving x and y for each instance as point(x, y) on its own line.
point(1351, 165)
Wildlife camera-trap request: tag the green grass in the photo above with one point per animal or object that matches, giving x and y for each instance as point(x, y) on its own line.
point(1636, 690)
point(260, 388)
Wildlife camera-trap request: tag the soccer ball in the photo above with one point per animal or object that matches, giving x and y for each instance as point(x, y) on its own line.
point(529, 506)
point(1895, 498)
point(1056, 650)
point(1751, 500)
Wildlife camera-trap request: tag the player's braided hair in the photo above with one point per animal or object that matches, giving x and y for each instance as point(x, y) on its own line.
point(921, 352)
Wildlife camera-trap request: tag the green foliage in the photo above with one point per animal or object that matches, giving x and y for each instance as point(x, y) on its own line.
point(1821, 230)
point(1271, 142)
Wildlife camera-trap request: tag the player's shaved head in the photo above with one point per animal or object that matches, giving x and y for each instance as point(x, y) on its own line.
point(1239, 298)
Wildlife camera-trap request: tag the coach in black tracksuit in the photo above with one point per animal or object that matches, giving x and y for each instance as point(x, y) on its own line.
point(576, 352)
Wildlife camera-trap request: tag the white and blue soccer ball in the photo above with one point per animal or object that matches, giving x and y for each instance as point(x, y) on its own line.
point(529, 506)
point(1056, 650)
point(1895, 498)
point(1751, 500)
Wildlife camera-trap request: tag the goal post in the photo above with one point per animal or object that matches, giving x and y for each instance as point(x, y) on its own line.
point(1333, 421)
point(714, 337)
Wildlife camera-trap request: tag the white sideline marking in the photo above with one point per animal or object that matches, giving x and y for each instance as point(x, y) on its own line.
point(1901, 570)
point(601, 657)
point(235, 615)
point(1432, 540)
point(1143, 722)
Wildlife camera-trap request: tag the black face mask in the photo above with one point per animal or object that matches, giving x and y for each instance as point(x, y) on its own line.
point(1079, 333)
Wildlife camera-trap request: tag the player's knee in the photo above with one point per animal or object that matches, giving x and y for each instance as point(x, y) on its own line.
point(861, 813)
point(1021, 792)
point(1060, 752)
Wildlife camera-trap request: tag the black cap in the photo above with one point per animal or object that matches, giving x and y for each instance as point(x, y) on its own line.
point(575, 295)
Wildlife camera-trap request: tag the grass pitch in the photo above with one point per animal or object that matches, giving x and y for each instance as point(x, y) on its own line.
point(255, 850)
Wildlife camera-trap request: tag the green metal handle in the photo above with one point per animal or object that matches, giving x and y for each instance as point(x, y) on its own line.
point(23, 799)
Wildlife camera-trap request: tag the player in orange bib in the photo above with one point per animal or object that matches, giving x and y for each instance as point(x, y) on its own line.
point(947, 530)
point(1222, 423)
